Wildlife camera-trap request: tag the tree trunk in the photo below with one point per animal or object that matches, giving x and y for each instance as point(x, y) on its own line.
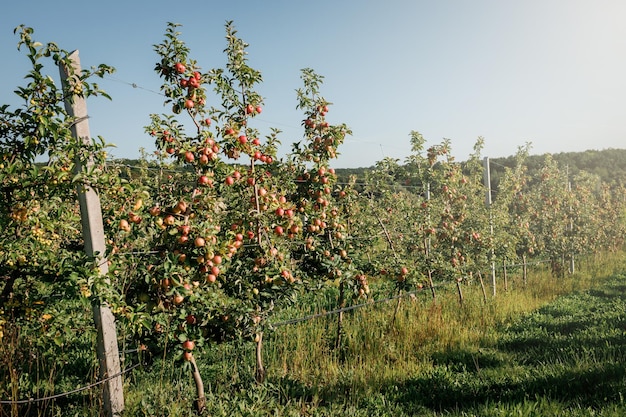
point(482, 286)
point(260, 369)
point(342, 303)
point(395, 311)
point(200, 402)
point(431, 284)
point(524, 270)
point(458, 287)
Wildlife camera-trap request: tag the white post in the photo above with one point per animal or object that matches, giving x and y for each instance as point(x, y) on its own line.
point(95, 246)
point(572, 266)
point(487, 182)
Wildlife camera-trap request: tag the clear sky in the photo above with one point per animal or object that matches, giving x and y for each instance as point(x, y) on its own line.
point(549, 72)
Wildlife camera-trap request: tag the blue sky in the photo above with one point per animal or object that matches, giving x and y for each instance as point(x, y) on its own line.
point(549, 72)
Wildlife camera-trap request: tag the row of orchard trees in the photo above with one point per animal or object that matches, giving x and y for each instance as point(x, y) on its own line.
point(215, 235)
point(433, 213)
point(211, 241)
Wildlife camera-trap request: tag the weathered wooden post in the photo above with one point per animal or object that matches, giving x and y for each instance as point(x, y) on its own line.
point(427, 246)
point(487, 182)
point(572, 264)
point(95, 246)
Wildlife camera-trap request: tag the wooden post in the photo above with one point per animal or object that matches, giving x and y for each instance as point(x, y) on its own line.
point(487, 182)
point(572, 264)
point(524, 270)
point(427, 246)
point(95, 246)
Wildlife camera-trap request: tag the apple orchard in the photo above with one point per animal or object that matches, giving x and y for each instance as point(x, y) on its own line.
point(215, 234)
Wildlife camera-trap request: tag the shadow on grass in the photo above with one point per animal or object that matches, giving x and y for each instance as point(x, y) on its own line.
point(572, 351)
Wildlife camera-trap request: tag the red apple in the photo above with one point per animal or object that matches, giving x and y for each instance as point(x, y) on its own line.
point(124, 225)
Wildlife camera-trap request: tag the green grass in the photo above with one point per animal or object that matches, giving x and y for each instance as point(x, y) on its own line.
point(555, 347)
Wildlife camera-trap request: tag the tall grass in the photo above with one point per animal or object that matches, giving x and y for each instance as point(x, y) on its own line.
point(531, 350)
point(376, 351)
point(552, 347)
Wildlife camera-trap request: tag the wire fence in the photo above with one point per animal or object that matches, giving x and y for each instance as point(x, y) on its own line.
point(287, 322)
point(349, 308)
point(400, 295)
point(68, 393)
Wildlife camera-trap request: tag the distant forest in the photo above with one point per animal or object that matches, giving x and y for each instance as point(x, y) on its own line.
point(609, 165)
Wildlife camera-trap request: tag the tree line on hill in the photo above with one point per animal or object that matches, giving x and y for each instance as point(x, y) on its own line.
point(609, 165)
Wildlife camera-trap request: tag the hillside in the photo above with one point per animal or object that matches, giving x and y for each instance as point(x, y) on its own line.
point(608, 164)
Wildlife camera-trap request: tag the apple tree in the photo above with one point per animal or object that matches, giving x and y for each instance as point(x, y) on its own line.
point(41, 247)
point(325, 253)
point(219, 222)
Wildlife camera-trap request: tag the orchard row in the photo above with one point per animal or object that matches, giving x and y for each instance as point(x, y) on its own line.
point(217, 233)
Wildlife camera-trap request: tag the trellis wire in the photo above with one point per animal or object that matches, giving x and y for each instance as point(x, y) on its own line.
point(272, 325)
point(68, 393)
point(344, 309)
point(370, 303)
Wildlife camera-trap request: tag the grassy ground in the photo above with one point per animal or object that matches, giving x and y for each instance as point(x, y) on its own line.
point(556, 347)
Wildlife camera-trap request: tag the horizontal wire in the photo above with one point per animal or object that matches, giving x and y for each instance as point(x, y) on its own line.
point(373, 302)
point(278, 324)
point(341, 310)
point(74, 391)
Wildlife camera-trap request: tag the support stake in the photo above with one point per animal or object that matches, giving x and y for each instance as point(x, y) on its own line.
point(95, 247)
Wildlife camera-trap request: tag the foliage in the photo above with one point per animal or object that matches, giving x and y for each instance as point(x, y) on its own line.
point(45, 279)
point(215, 239)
